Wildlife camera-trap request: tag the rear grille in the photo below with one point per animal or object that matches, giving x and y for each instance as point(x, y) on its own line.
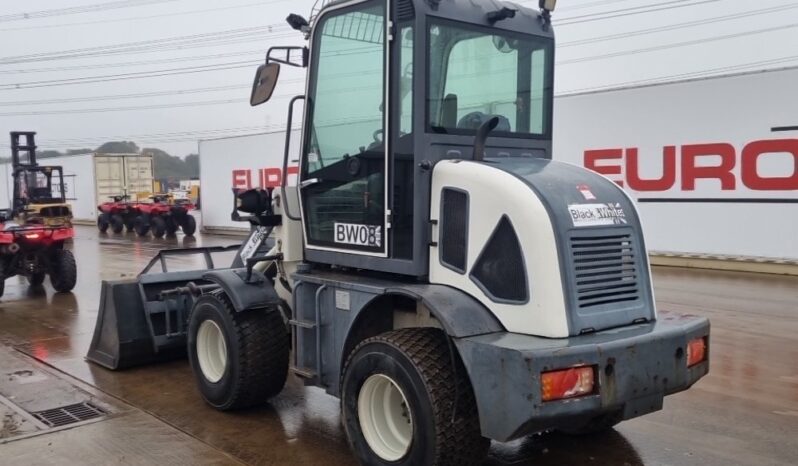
point(69, 414)
point(605, 269)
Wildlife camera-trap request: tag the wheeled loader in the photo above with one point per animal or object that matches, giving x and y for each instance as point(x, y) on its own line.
point(433, 267)
point(37, 225)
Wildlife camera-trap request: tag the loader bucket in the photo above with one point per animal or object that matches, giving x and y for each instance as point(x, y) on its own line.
point(122, 337)
point(144, 321)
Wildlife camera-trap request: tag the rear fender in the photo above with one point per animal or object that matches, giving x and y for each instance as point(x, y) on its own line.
point(460, 314)
point(243, 295)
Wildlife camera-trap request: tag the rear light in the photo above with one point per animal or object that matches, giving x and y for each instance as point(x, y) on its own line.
point(6, 238)
point(567, 383)
point(696, 351)
point(32, 235)
point(63, 234)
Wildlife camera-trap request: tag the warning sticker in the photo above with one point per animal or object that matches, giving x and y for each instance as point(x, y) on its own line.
point(591, 215)
point(358, 235)
point(255, 240)
point(586, 192)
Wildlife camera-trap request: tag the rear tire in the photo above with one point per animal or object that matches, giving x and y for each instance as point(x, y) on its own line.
point(189, 225)
point(407, 376)
point(103, 221)
point(63, 271)
point(158, 225)
point(239, 359)
point(117, 224)
point(141, 226)
point(36, 279)
point(2, 281)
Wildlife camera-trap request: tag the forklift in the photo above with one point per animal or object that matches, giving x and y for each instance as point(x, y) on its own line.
point(433, 267)
point(36, 227)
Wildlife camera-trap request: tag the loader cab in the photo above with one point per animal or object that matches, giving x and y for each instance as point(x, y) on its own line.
point(392, 89)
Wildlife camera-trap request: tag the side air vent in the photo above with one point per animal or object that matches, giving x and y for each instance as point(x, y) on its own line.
point(605, 269)
point(500, 270)
point(405, 10)
point(454, 229)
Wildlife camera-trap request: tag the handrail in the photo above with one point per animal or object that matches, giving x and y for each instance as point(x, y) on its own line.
point(284, 181)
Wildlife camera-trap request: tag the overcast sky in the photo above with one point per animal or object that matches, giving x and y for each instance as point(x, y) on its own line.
point(691, 37)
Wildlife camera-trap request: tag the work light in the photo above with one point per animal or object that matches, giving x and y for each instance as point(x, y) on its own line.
point(548, 5)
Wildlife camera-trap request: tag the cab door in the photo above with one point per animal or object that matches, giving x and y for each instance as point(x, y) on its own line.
point(343, 163)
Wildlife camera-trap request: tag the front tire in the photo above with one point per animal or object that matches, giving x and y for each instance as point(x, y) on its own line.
point(189, 225)
point(103, 222)
point(64, 271)
point(158, 227)
point(408, 376)
point(239, 359)
point(141, 226)
point(171, 226)
point(117, 224)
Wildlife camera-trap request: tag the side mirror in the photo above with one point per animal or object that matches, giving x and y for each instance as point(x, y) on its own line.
point(265, 82)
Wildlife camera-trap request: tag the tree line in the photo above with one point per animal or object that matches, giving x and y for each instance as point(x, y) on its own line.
point(165, 165)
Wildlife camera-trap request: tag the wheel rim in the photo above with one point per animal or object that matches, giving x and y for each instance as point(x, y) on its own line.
point(385, 417)
point(211, 351)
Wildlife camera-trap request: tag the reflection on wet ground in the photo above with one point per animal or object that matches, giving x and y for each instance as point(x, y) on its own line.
point(744, 412)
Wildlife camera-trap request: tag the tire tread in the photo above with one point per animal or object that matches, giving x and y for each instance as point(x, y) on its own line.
point(64, 275)
point(458, 437)
point(263, 349)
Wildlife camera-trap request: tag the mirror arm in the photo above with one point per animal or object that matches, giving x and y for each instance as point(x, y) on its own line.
point(287, 60)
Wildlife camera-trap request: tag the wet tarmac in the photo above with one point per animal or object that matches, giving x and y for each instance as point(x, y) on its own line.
point(745, 412)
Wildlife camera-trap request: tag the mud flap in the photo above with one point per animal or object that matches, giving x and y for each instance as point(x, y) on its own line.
point(122, 337)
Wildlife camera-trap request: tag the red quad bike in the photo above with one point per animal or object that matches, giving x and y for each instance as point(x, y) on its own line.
point(35, 251)
point(38, 223)
point(117, 214)
point(164, 217)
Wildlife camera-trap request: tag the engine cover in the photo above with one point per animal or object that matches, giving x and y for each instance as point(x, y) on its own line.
point(552, 249)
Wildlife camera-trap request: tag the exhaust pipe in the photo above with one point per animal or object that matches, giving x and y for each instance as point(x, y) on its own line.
point(12, 248)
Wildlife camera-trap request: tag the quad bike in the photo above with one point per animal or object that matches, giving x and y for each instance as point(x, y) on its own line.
point(163, 216)
point(33, 232)
point(35, 252)
point(117, 214)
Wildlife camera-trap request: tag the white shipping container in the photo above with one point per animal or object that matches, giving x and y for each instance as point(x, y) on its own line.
point(91, 179)
point(139, 173)
point(661, 142)
point(240, 162)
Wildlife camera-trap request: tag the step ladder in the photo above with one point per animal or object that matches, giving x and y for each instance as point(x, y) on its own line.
point(304, 326)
